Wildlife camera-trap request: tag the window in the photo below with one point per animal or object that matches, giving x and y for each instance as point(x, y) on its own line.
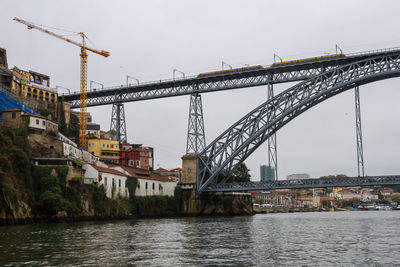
point(113, 183)
point(13, 115)
point(105, 181)
point(153, 186)
point(44, 123)
point(103, 145)
point(146, 186)
point(159, 187)
point(37, 122)
point(108, 145)
point(119, 182)
point(138, 185)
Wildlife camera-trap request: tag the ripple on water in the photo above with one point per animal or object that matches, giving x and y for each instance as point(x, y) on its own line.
point(331, 238)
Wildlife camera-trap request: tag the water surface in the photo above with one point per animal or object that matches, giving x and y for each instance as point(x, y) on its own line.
point(365, 238)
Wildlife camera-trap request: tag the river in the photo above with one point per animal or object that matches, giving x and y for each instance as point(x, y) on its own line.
point(364, 238)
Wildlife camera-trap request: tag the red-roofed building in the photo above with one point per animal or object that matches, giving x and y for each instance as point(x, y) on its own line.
point(149, 183)
point(139, 157)
point(114, 181)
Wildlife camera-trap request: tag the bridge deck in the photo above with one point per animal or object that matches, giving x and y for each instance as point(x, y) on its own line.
point(291, 72)
point(307, 183)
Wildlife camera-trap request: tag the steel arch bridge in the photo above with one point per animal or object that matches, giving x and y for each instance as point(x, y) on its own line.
point(232, 147)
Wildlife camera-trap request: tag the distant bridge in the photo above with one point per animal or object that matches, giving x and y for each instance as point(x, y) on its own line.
point(306, 183)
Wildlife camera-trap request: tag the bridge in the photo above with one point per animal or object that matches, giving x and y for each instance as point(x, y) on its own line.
point(306, 183)
point(320, 78)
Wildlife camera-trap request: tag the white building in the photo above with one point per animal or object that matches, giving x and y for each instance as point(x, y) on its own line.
point(149, 184)
point(71, 149)
point(298, 176)
point(114, 182)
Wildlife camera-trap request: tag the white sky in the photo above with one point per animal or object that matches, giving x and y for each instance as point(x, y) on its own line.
point(148, 39)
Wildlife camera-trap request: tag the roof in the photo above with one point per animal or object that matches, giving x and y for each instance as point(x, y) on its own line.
point(92, 126)
point(176, 169)
point(106, 170)
point(39, 116)
point(12, 110)
point(143, 174)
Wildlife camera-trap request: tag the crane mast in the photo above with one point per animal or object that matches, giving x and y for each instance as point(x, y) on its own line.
point(83, 74)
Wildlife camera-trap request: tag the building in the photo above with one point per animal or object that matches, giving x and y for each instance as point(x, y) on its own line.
point(3, 58)
point(11, 118)
point(174, 174)
point(106, 150)
point(267, 173)
point(298, 176)
point(93, 129)
point(139, 157)
point(35, 89)
point(71, 149)
point(114, 182)
point(149, 184)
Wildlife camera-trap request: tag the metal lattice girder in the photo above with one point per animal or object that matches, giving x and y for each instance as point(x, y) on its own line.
point(196, 139)
point(118, 125)
point(272, 148)
point(360, 153)
point(306, 183)
point(295, 71)
point(233, 146)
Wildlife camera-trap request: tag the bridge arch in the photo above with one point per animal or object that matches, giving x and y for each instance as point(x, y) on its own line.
point(233, 146)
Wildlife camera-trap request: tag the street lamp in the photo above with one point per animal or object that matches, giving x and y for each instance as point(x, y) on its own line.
point(127, 79)
point(226, 64)
point(276, 56)
point(65, 88)
point(92, 82)
point(175, 70)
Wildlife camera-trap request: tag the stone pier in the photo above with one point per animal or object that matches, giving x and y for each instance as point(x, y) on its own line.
point(209, 204)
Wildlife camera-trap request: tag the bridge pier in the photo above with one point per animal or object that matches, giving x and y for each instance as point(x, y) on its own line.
point(209, 204)
point(118, 122)
point(272, 149)
point(196, 139)
point(360, 152)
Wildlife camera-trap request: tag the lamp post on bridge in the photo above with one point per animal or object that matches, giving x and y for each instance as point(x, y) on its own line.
point(175, 70)
point(130, 77)
point(65, 88)
point(93, 82)
point(226, 64)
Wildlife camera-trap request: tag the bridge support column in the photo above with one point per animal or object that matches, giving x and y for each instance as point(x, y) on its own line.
point(360, 153)
point(272, 150)
point(118, 122)
point(196, 139)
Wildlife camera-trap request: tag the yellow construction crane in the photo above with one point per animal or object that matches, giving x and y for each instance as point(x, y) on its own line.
point(83, 85)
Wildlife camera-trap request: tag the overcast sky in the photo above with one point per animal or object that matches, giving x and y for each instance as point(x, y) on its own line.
point(148, 39)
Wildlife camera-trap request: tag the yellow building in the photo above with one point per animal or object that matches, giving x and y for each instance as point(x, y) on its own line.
point(106, 149)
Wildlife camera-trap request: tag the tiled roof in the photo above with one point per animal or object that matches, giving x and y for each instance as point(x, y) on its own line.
point(11, 110)
point(143, 174)
point(106, 170)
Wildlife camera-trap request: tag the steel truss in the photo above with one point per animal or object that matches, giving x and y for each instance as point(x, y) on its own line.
point(360, 153)
point(118, 125)
point(232, 147)
point(196, 139)
point(272, 148)
point(306, 183)
point(226, 81)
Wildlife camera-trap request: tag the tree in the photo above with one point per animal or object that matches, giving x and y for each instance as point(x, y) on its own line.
point(241, 174)
point(395, 197)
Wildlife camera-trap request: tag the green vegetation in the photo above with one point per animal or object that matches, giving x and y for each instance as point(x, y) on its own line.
point(395, 197)
point(241, 174)
point(41, 192)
